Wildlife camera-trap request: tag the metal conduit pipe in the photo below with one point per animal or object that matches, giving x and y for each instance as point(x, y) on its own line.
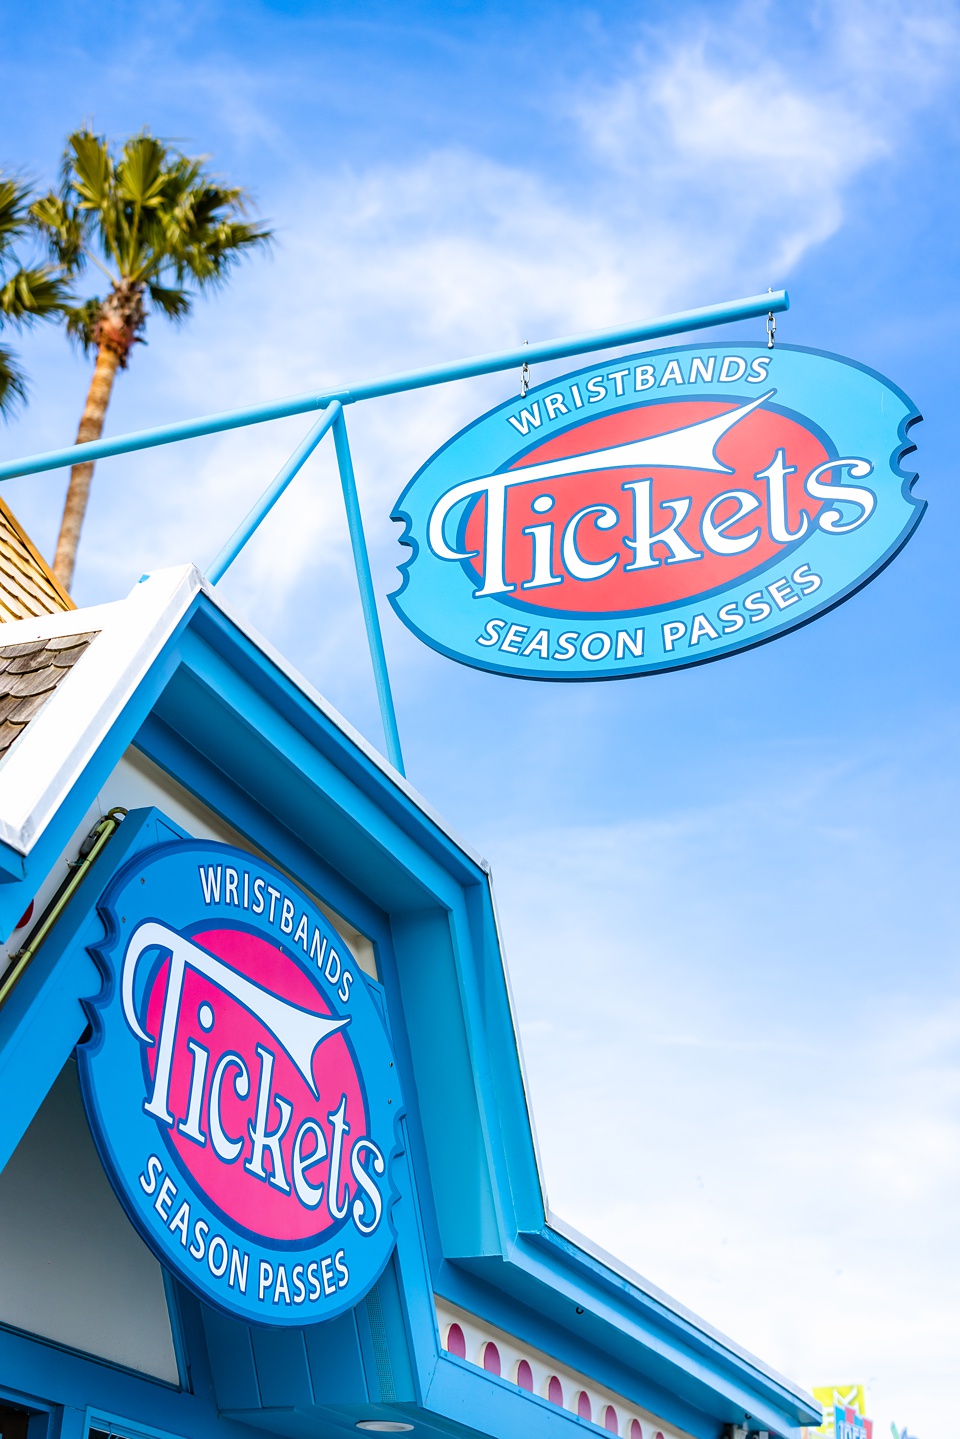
point(78, 869)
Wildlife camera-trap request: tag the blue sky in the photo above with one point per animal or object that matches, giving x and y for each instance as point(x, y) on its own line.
point(728, 894)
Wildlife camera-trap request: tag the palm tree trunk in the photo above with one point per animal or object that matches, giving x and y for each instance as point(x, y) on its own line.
point(91, 428)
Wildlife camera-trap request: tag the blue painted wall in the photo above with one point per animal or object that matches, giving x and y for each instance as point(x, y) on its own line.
point(217, 715)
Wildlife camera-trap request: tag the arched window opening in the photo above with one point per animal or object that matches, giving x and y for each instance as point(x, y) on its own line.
point(555, 1391)
point(610, 1420)
point(456, 1344)
point(525, 1376)
point(491, 1358)
point(584, 1407)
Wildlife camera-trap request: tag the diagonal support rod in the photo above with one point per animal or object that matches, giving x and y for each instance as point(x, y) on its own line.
point(332, 403)
point(368, 598)
point(331, 419)
point(255, 517)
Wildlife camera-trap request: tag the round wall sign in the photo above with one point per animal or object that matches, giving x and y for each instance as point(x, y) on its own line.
point(240, 1085)
point(656, 511)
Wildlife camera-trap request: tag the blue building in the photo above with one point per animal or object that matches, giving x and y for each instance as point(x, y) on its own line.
point(158, 723)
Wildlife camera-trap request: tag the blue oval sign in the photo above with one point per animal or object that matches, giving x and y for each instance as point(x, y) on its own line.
point(240, 1086)
point(657, 511)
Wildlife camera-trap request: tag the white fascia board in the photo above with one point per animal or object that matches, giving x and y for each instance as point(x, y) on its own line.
point(45, 761)
point(653, 1291)
point(47, 758)
point(346, 728)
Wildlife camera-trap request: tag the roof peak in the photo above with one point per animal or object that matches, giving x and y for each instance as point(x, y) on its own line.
point(28, 586)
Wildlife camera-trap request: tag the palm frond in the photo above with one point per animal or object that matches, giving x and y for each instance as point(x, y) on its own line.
point(175, 304)
point(140, 172)
point(210, 258)
point(13, 385)
point(91, 172)
point(64, 227)
point(153, 218)
point(27, 292)
point(82, 322)
point(33, 294)
point(204, 236)
point(14, 202)
point(89, 182)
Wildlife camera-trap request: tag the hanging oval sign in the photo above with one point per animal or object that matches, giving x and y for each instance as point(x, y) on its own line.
point(657, 511)
point(240, 1086)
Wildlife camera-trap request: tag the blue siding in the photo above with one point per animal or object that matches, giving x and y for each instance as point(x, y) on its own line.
point(226, 723)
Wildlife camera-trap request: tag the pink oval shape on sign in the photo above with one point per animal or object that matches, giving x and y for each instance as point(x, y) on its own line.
point(610, 1419)
point(584, 1407)
point(555, 1391)
point(491, 1358)
point(525, 1376)
point(456, 1344)
point(248, 1077)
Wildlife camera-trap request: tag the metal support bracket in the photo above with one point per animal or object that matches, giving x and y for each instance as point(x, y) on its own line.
point(331, 404)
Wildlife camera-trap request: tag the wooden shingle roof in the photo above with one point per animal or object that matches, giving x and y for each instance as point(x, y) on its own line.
point(29, 674)
point(28, 587)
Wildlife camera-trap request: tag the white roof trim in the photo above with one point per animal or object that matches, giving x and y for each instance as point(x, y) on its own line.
point(623, 1271)
point(45, 761)
point(344, 725)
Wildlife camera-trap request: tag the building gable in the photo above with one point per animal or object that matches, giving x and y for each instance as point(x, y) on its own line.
point(233, 743)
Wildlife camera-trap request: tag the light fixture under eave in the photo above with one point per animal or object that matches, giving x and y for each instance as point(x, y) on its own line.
point(384, 1426)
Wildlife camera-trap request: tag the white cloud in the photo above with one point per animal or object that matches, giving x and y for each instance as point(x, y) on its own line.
point(759, 137)
point(715, 168)
point(761, 1119)
point(706, 1134)
point(716, 162)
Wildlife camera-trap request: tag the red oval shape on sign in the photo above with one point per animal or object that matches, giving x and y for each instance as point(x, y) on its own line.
point(608, 501)
point(248, 1190)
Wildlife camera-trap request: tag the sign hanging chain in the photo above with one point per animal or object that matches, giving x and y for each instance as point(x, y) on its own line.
point(771, 325)
point(524, 376)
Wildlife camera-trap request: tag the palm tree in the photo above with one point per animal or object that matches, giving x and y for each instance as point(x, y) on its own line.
point(159, 227)
point(27, 293)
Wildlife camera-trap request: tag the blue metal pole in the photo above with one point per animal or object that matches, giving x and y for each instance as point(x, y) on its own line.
point(271, 494)
point(676, 324)
point(368, 599)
